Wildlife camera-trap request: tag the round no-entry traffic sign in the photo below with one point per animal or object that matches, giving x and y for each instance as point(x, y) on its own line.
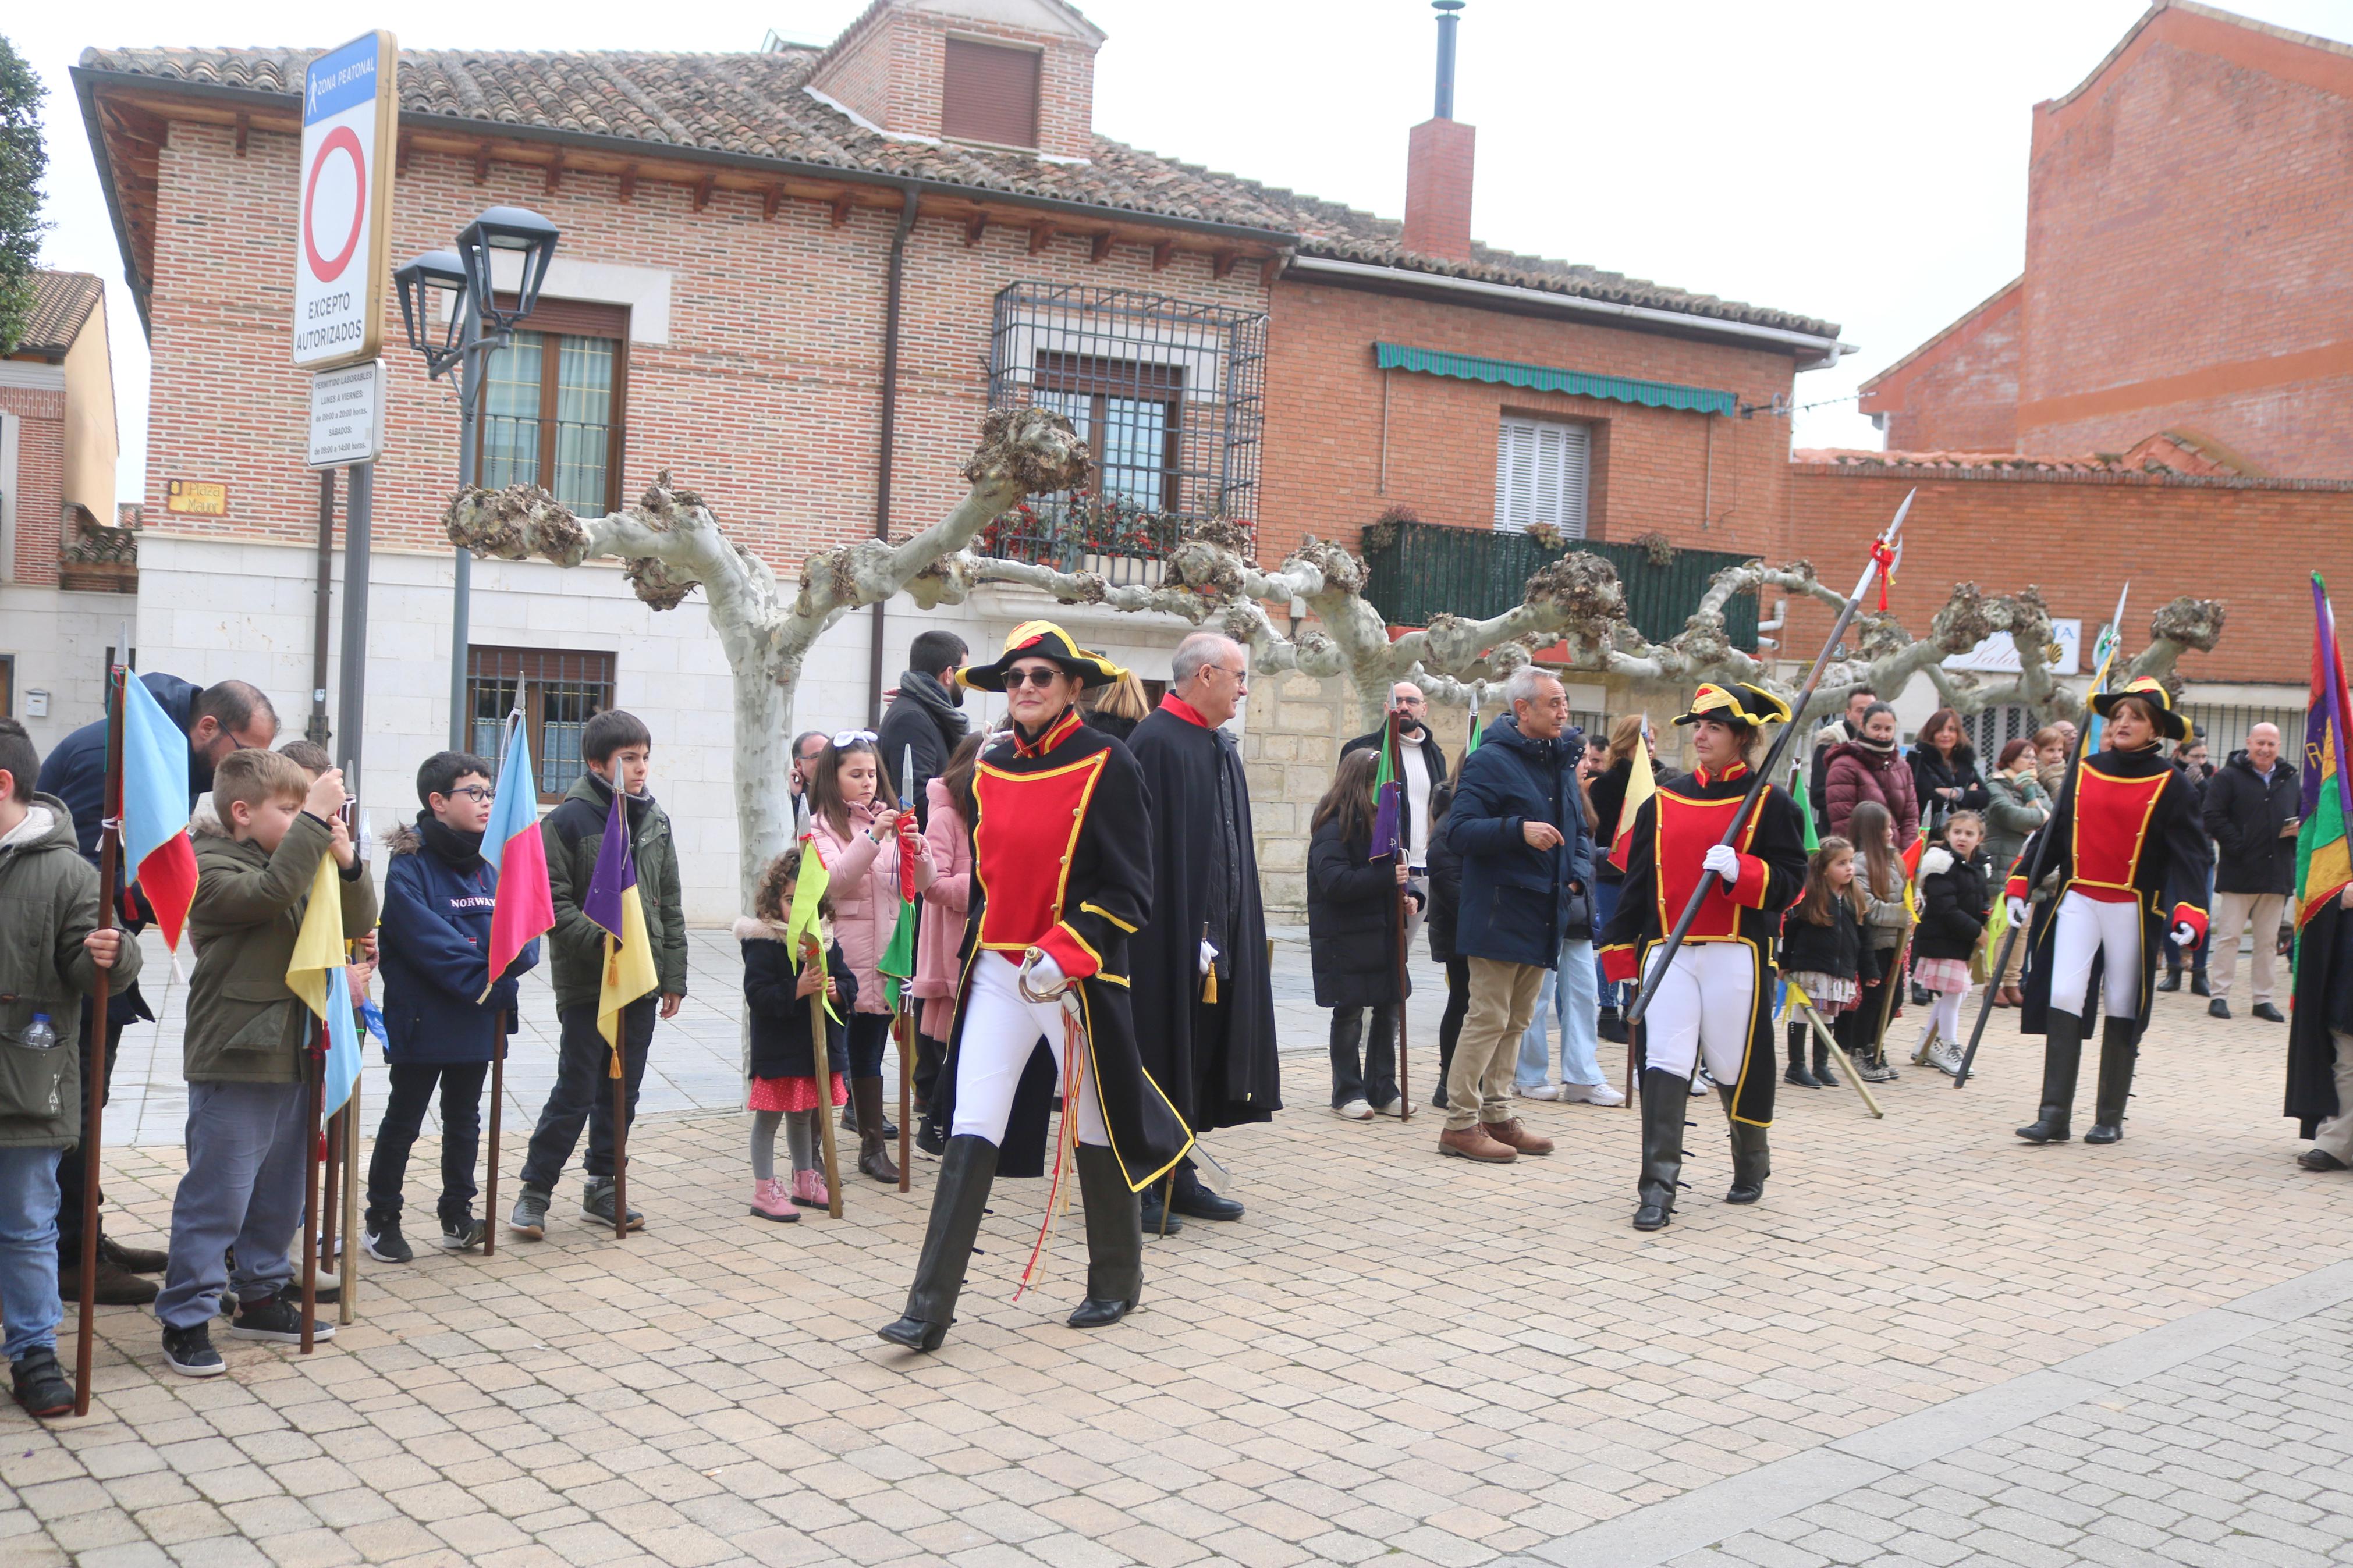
point(342, 139)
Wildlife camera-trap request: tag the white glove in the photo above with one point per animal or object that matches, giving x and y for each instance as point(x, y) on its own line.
point(1209, 955)
point(1724, 860)
point(2185, 935)
point(2016, 911)
point(1041, 979)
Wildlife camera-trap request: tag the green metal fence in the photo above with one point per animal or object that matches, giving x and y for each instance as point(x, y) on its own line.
point(1420, 569)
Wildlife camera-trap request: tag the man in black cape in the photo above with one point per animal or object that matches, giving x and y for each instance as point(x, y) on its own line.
point(2320, 1036)
point(1211, 1048)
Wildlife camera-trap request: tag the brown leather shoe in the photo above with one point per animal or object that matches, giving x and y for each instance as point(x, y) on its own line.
point(116, 1287)
point(1472, 1143)
point(1518, 1137)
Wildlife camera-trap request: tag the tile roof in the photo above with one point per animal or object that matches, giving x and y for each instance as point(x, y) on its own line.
point(753, 105)
point(2168, 452)
point(62, 302)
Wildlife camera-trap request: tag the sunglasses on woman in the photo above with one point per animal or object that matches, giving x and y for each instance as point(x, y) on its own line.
point(1038, 676)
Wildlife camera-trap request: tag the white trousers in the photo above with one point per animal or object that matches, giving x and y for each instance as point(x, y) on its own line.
point(2087, 926)
point(1001, 1028)
point(1704, 1006)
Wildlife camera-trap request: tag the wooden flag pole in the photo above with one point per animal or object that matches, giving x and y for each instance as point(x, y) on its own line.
point(1405, 833)
point(821, 1060)
point(490, 1167)
point(347, 1303)
point(620, 1130)
point(331, 1205)
point(906, 1094)
point(313, 1137)
point(1838, 1054)
point(93, 1035)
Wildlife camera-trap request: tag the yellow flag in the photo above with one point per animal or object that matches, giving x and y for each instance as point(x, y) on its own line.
point(629, 969)
point(319, 949)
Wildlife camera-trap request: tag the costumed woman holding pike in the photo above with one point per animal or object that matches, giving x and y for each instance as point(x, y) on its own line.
point(2128, 845)
point(1062, 878)
point(1712, 997)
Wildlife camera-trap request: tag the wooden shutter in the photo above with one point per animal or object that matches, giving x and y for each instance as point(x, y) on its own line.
point(1541, 469)
point(991, 94)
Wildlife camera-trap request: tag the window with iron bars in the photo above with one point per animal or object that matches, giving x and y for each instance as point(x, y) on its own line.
point(557, 690)
point(1169, 396)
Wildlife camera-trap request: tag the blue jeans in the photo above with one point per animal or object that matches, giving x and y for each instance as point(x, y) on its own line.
point(29, 1309)
point(1563, 990)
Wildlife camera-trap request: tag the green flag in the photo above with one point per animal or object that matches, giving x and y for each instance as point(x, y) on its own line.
point(1471, 744)
point(897, 964)
point(1805, 805)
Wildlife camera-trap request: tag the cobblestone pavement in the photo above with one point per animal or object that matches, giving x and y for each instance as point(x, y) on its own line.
point(1929, 1342)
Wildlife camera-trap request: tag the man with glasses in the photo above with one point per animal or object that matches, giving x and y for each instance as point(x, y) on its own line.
point(441, 1028)
point(1204, 999)
point(807, 746)
point(1421, 764)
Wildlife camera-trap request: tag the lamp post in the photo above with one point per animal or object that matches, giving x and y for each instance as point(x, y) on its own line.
point(475, 327)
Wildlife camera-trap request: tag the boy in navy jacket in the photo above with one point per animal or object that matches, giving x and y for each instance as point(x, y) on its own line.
point(434, 954)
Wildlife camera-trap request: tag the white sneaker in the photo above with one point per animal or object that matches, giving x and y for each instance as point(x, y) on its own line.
point(1590, 1094)
point(1701, 1082)
point(1397, 1108)
point(1542, 1091)
point(1945, 1055)
point(1354, 1111)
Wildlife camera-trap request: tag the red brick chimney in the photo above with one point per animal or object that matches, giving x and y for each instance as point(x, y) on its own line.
point(1438, 163)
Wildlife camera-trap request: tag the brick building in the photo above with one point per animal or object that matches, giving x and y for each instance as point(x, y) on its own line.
point(64, 564)
point(732, 224)
point(2185, 263)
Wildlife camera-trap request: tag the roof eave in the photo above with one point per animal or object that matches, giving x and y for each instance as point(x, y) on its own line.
point(87, 81)
point(1824, 350)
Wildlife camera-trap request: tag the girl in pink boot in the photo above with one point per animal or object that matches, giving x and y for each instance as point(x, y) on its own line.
point(776, 993)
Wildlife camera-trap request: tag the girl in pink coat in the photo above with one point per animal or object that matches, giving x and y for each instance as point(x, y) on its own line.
point(854, 822)
point(939, 941)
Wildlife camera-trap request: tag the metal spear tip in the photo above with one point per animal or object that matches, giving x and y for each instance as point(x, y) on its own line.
point(1896, 528)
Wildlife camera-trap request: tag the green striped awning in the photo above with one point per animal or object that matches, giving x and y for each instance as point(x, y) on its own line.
point(1547, 378)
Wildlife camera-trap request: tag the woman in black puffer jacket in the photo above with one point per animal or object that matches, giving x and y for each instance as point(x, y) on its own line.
point(1352, 942)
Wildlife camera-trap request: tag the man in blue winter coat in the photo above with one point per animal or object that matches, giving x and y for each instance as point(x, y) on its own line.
point(433, 944)
point(223, 716)
point(1526, 850)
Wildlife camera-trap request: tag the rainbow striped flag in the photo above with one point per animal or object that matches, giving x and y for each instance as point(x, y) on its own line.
point(2324, 865)
point(523, 906)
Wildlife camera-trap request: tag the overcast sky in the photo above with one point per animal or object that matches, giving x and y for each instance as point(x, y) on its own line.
point(1856, 160)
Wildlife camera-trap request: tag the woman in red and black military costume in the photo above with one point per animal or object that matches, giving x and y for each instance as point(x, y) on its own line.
point(1715, 1001)
point(2126, 843)
point(1062, 878)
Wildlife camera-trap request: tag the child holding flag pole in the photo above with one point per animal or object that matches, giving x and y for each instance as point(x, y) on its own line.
point(273, 900)
point(780, 936)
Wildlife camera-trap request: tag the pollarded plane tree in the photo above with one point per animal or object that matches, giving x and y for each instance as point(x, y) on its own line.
point(671, 544)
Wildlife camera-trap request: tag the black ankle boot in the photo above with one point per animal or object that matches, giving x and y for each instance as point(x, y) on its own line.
point(1750, 1162)
point(1797, 1073)
point(2198, 986)
point(2172, 980)
point(2063, 1055)
point(1115, 1240)
point(1664, 1096)
point(2118, 1050)
point(966, 1172)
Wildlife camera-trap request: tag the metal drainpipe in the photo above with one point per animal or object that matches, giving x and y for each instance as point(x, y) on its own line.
point(890, 431)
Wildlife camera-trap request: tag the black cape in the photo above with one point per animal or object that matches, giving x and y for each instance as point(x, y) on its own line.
point(2324, 954)
point(1216, 1061)
point(2170, 872)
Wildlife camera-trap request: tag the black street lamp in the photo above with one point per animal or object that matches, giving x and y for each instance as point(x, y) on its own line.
point(475, 326)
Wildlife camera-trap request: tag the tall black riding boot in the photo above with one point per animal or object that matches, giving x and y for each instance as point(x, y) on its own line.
point(1750, 1162)
point(1664, 1096)
point(1824, 1074)
point(2118, 1051)
point(2063, 1055)
point(968, 1170)
point(1797, 1073)
point(1115, 1240)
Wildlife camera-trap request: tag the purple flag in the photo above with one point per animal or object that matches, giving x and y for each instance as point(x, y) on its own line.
point(1387, 840)
point(615, 872)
